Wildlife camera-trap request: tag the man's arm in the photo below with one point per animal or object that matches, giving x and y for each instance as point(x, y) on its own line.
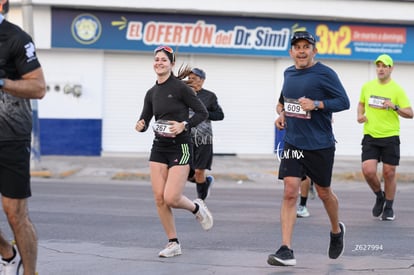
point(405, 112)
point(279, 108)
point(361, 118)
point(216, 113)
point(32, 85)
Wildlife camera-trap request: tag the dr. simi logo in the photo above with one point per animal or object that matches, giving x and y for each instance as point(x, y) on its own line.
point(86, 29)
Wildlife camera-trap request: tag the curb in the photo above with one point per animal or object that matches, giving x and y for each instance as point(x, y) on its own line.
point(49, 174)
point(129, 176)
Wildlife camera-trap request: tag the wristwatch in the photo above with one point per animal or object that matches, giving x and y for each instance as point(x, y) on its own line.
point(396, 108)
point(317, 104)
point(185, 125)
point(1, 83)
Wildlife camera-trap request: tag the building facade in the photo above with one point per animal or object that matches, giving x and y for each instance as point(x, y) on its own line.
point(98, 65)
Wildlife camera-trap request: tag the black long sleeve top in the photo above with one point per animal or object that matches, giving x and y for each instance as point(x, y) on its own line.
point(172, 100)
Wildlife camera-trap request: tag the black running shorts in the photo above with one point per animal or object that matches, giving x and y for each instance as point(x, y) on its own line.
point(15, 169)
point(317, 164)
point(203, 156)
point(386, 150)
point(179, 154)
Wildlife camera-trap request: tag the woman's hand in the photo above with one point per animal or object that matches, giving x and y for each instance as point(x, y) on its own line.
point(177, 127)
point(140, 125)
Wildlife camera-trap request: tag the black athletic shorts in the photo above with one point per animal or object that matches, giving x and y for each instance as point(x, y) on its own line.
point(202, 156)
point(317, 164)
point(386, 150)
point(175, 154)
point(15, 169)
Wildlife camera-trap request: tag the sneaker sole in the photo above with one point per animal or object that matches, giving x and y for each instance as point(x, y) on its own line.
point(170, 256)
point(177, 253)
point(388, 218)
point(343, 242)
point(207, 228)
point(302, 216)
point(272, 260)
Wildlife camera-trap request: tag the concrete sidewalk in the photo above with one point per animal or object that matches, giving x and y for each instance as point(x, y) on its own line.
point(240, 169)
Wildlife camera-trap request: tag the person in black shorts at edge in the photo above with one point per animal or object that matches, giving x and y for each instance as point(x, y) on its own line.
point(21, 79)
point(169, 101)
point(202, 135)
point(312, 92)
point(306, 186)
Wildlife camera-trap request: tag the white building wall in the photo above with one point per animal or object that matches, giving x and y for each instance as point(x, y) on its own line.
point(61, 68)
point(127, 77)
point(245, 88)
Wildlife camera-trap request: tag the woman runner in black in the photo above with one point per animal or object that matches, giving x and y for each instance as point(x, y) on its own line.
point(169, 101)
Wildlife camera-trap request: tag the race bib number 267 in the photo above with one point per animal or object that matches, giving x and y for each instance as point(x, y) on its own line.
point(162, 128)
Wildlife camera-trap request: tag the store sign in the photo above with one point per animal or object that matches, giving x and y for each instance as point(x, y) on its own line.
point(225, 35)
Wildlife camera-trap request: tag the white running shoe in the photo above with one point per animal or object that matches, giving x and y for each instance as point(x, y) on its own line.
point(203, 215)
point(302, 212)
point(14, 267)
point(172, 249)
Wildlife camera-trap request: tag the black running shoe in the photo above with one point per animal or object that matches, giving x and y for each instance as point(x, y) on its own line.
point(203, 190)
point(209, 182)
point(388, 214)
point(337, 244)
point(379, 205)
point(282, 257)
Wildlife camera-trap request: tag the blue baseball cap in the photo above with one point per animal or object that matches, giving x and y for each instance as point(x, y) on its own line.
point(199, 72)
point(302, 35)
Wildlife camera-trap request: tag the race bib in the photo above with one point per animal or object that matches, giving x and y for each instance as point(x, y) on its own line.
point(293, 109)
point(162, 128)
point(377, 102)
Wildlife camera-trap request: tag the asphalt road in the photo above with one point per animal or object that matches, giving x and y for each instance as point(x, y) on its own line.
point(112, 227)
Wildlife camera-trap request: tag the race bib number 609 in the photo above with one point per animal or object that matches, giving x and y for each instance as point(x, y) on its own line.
point(293, 109)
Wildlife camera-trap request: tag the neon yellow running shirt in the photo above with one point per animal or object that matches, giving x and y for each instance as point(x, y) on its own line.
point(382, 122)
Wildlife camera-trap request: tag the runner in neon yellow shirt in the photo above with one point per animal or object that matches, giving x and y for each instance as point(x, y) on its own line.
point(381, 103)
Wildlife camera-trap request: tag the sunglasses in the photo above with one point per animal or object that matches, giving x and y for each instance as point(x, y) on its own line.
point(164, 48)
